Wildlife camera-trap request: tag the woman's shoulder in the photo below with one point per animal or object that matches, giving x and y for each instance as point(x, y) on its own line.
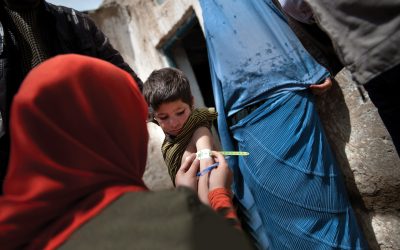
point(168, 219)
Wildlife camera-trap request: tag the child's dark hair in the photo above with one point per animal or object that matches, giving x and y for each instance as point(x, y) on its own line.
point(166, 85)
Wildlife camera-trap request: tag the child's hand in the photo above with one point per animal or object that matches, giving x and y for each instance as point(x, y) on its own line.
point(221, 176)
point(186, 175)
point(319, 89)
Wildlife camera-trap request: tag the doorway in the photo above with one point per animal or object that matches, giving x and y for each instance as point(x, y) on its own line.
point(187, 51)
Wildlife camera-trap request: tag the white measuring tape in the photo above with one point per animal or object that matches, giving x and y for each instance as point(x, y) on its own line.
point(236, 153)
point(206, 153)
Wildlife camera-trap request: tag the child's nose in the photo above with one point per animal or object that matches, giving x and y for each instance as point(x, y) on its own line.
point(174, 122)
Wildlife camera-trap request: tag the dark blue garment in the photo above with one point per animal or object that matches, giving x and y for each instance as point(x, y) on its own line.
point(289, 187)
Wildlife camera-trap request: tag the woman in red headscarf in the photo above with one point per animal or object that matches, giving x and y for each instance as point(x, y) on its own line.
point(79, 143)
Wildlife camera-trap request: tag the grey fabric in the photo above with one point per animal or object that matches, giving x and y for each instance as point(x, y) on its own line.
point(366, 34)
point(314, 40)
point(2, 130)
point(170, 219)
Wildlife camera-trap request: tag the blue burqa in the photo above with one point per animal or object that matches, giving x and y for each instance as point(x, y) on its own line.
point(290, 189)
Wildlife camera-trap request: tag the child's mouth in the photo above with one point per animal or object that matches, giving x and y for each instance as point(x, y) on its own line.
point(175, 131)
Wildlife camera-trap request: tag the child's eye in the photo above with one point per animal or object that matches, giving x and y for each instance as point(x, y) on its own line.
point(180, 113)
point(163, 118)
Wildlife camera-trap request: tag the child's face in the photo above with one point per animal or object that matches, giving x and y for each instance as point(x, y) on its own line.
point(172, 116)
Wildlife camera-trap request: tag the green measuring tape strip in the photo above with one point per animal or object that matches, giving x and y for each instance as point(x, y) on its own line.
point(237, 153)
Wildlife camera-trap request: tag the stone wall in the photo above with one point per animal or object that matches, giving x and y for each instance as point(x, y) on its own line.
point(362, 145)
point(368, 160)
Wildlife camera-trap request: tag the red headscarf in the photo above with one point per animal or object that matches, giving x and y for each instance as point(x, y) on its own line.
point(78, 142)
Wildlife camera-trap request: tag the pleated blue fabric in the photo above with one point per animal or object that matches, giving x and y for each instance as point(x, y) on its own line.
point(290, 191)
point(293, 177)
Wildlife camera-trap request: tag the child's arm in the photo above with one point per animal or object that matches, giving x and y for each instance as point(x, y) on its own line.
point(203, 139)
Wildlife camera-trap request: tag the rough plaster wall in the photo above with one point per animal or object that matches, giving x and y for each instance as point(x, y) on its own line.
point(358, 138)
point(128, 33)
point(113, 22)
point(149, 26)
point(367, 158)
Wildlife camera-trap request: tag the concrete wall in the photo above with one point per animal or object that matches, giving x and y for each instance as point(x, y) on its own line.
point(367, 158)
point(362, 145)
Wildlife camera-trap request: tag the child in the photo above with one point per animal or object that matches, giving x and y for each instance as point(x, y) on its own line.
point(187, 130)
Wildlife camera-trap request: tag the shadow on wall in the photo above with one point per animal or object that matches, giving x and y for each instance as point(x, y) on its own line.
point(335, 117)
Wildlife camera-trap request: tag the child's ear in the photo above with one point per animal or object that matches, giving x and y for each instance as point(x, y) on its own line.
point(150, 115)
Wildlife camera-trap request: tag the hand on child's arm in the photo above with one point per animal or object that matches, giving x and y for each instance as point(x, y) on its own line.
point(221, 176)
point(319, 89)
point(220, 196)
point(186, 175)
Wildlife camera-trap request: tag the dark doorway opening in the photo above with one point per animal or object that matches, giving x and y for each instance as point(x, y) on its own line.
point(189, 45)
